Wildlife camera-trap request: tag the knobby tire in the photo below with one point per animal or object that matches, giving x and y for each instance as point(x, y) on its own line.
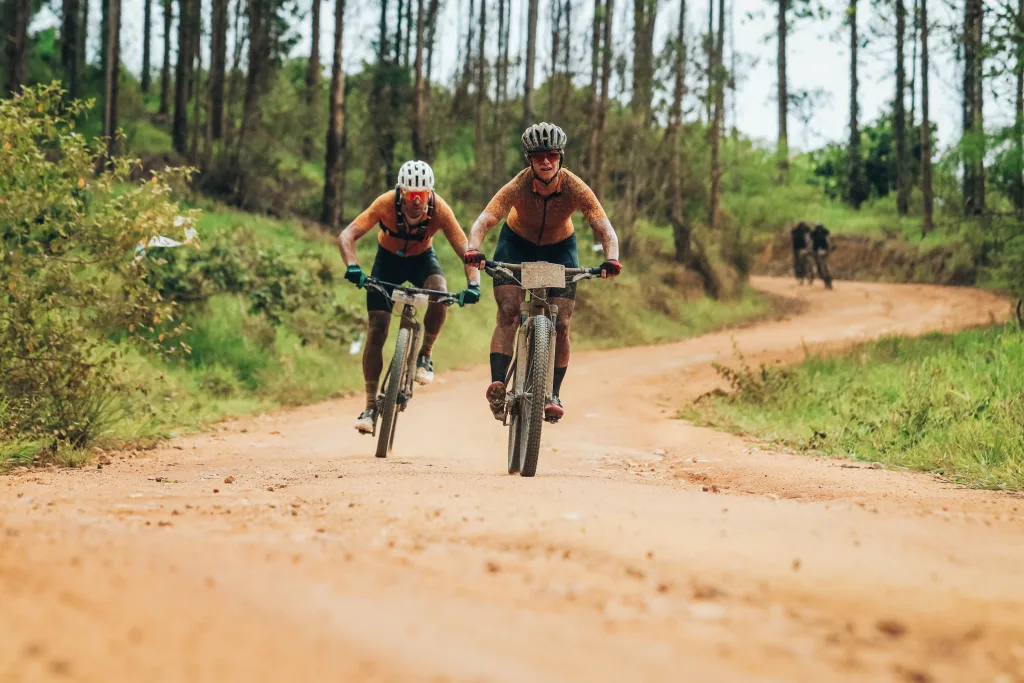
point(389, 415)
point(534, 395)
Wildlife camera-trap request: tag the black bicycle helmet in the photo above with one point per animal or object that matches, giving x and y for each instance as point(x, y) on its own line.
point(543, 137)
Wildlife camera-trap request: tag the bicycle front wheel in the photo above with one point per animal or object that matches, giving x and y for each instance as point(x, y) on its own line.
point(389, 411)
point(534, 397)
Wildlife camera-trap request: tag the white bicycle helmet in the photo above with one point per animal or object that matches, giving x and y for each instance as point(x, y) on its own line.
point(416, 175)
point(543, 137)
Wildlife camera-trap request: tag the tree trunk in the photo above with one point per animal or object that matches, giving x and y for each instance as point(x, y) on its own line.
point(334, 164)
point(398, 31)
point(254, 78)
point(419, 147)
point(718, 79)
point(500, 90)
point(408, 33)
point(556, 26)
point(926, 128)
point(83, 38)
point(782, 161)
point(595, 75)
point(113, 75)
point(218, 66)
point(531, 59)
point(855, 194)
point(195, 84)
point(165, 70)
point(19, 13)
point(967, 106)
point(977, 39)
point(913, 70)
point(1018, 195)
point(71, 14)
point(899, 123)
point(182, 77)
point(312, 82)
point(566, 90)
point(680, 225)
point(241, 40)
point(434, 8)
point(481, 88)
point(709, 53)
point(147, 30)
point(644, 13)
point(597, 134)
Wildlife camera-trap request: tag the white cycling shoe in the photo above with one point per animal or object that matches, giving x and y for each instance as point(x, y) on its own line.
point(424, 370)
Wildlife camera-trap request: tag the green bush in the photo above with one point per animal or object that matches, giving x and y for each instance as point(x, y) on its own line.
point(70, 283)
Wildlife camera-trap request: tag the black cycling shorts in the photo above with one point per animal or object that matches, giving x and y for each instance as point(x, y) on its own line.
point(389, 267)
point(514, 249)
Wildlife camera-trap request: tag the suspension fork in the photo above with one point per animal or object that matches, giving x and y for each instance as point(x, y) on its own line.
point(411, 322)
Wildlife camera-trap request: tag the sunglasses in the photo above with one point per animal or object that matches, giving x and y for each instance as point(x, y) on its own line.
point(553, 157)
point(413, 195)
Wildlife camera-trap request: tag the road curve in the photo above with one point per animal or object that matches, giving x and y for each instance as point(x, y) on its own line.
point(645, 550)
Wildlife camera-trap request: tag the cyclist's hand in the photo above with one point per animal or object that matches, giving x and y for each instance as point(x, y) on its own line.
point(474, 257)
point(610, 268)
point(470, 295)
point(355, 275)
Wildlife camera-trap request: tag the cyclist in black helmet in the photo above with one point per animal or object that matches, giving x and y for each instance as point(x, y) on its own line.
point(539, 203)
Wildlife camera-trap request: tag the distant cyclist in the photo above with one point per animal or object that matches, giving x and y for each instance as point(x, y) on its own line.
point(800, 236)
point(408, 217)
point(821, 247)
point(539, 203)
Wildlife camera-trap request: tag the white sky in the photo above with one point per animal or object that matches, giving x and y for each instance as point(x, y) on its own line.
point(818, 57)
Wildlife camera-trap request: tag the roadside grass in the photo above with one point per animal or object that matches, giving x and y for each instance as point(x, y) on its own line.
point(949, 404)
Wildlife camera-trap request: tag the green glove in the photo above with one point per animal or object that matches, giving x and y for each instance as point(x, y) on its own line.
point(470, 295)
point(355, 275)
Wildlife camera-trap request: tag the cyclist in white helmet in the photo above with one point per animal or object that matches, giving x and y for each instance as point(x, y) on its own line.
point(408, 217)
point(539, 203)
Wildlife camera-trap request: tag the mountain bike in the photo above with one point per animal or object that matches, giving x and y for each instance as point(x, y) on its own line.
point(398, 381)
point(528, 383)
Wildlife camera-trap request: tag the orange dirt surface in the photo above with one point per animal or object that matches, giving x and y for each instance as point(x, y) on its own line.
point(277, 548)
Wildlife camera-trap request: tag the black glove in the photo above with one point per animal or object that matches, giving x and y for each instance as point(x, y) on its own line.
point(470, 295)
point(611, 268)
point(355, 275)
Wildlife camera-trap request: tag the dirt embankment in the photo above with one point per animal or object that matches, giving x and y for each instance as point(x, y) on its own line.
point(861, 257)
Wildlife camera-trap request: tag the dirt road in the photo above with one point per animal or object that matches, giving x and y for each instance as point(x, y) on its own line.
point(645, 549)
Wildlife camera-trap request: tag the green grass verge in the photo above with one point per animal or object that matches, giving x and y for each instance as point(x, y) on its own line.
point(948, 404)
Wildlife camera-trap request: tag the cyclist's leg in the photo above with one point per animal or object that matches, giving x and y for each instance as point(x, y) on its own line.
point(373, 353)
point(563, 346)
point(564, 298)
point(509, 296)
point(427, 273)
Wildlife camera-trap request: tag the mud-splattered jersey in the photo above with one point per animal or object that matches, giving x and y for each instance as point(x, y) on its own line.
point(545, 220)
point(402, 238)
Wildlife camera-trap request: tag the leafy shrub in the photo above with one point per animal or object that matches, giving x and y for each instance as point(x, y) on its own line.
point(68, 235)
point(282, 287)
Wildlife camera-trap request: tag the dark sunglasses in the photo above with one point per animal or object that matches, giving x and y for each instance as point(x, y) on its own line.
point(553, 157)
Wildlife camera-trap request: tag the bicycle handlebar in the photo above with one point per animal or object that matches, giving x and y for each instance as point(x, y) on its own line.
point(490, 266)
point(447, 298)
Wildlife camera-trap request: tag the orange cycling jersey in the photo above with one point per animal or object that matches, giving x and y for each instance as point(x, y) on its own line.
point(540, 219)
point(398, 236)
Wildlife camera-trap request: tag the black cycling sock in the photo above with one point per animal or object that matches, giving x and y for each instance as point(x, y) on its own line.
point(559, 376)
point(499, 366)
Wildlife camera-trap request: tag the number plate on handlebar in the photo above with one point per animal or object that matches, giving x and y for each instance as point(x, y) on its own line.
point(417, 300)
point(540, 275)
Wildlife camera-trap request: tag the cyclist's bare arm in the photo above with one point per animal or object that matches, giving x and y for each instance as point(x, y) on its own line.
point(456, 237)
point(484, 223)
point(362, 224)
point(605, 234)
point(347, 241)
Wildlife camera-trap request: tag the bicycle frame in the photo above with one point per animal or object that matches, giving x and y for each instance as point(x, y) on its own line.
point(410, 321)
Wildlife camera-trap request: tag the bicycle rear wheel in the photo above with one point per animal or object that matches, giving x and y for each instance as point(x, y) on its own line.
point(389, 411)
point(534, 394)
